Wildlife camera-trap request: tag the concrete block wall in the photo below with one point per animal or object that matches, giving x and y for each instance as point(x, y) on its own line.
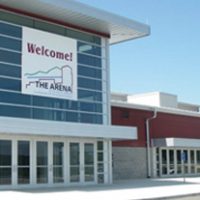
point(129, 163)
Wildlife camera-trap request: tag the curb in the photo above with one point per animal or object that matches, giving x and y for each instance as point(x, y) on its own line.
point(172, 197)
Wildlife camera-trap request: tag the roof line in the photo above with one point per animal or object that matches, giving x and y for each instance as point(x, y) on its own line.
point(151, 108)
point(40, 17)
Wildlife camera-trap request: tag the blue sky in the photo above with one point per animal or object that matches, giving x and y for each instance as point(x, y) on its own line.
point(169, 59)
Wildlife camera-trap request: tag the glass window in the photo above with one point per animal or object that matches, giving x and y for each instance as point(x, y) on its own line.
point(74, 162)
point(23, 175)
point(74, 154)
point(89, 83)
point(100, 145)
point(100, 168)
point(16, 19)
point(42, 153)
point(10, 43)
point(72, 117)
point(58, 175)
point(42, 162)
point(89, 154)
point(89, 95)
point(55, 115)
point(164, 156)
point(89, 161)
point(9, 84)
point(5, 153)
point(10, 57)
point(5, 162)
point(10, 70)
point(14, 111)
point(171, 156)
point(88, 48)
point(91, 107)
point(58, 162)
point(91, 118)
point(198, 157)
point(178, 156)
point(48, 114)
point(100, 178)
point(23, 153)
point(84, 36)
point(90, 72)
point(89, 60)
point(54, 103)
point(186, 155)
point(58, 153)
point(17, 98)
point(42, 175)
point(100, 156)
point(192, 156)
point(11, 30)
point(5, 176)
point(49, 27)
point(23, 162)
point(90, 53)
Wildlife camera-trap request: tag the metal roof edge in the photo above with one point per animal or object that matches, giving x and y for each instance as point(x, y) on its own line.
point(153, 108)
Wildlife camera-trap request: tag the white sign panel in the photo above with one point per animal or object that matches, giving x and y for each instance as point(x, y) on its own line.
point(49, 65)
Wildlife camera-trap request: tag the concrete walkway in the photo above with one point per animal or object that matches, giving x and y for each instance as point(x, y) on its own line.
point(123, 190)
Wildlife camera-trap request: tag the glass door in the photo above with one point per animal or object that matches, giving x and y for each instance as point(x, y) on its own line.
point(23, 162)
point(82, 162)
point(42, 162)
point(74, 162)
point(89, 175)
point(5, 162)
point(58, 161)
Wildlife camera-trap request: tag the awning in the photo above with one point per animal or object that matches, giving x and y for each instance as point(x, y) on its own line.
point(176, 142)
point(35, 127)
point(82, 16)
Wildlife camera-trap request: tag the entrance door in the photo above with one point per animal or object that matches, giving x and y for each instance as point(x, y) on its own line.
point(42, 162)
point(58, 162)
point(23, 162)
point(5, 162)
point(82, 162)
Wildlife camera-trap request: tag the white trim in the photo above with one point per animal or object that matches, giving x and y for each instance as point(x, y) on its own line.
point(20, 126)
point(10, 50)
point(10, 77)
point(7, 63)
point(176, 142)
point(151, 108)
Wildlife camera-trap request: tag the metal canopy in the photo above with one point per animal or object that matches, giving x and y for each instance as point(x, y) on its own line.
point(83, 16)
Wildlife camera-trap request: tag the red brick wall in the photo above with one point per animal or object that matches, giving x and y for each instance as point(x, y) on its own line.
point(136, 118)
point(168, 125)
point(165, 125)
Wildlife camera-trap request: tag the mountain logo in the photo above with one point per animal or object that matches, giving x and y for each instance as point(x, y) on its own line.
point(56, 78)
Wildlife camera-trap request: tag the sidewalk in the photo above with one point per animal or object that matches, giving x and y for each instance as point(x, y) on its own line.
point(123, 190)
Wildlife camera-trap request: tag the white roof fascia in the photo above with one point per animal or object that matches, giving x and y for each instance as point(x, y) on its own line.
point(158, 109)
point(87, 17)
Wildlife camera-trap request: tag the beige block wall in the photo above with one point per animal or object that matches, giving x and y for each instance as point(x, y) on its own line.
point(129, 163)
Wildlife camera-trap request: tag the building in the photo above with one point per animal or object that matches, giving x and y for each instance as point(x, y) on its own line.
point(168, 143)
point(55, 127)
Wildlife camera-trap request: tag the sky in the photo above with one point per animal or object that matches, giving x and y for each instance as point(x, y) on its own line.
point(169, 59)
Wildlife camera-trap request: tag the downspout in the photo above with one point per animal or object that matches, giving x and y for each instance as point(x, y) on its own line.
point(148, 141)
